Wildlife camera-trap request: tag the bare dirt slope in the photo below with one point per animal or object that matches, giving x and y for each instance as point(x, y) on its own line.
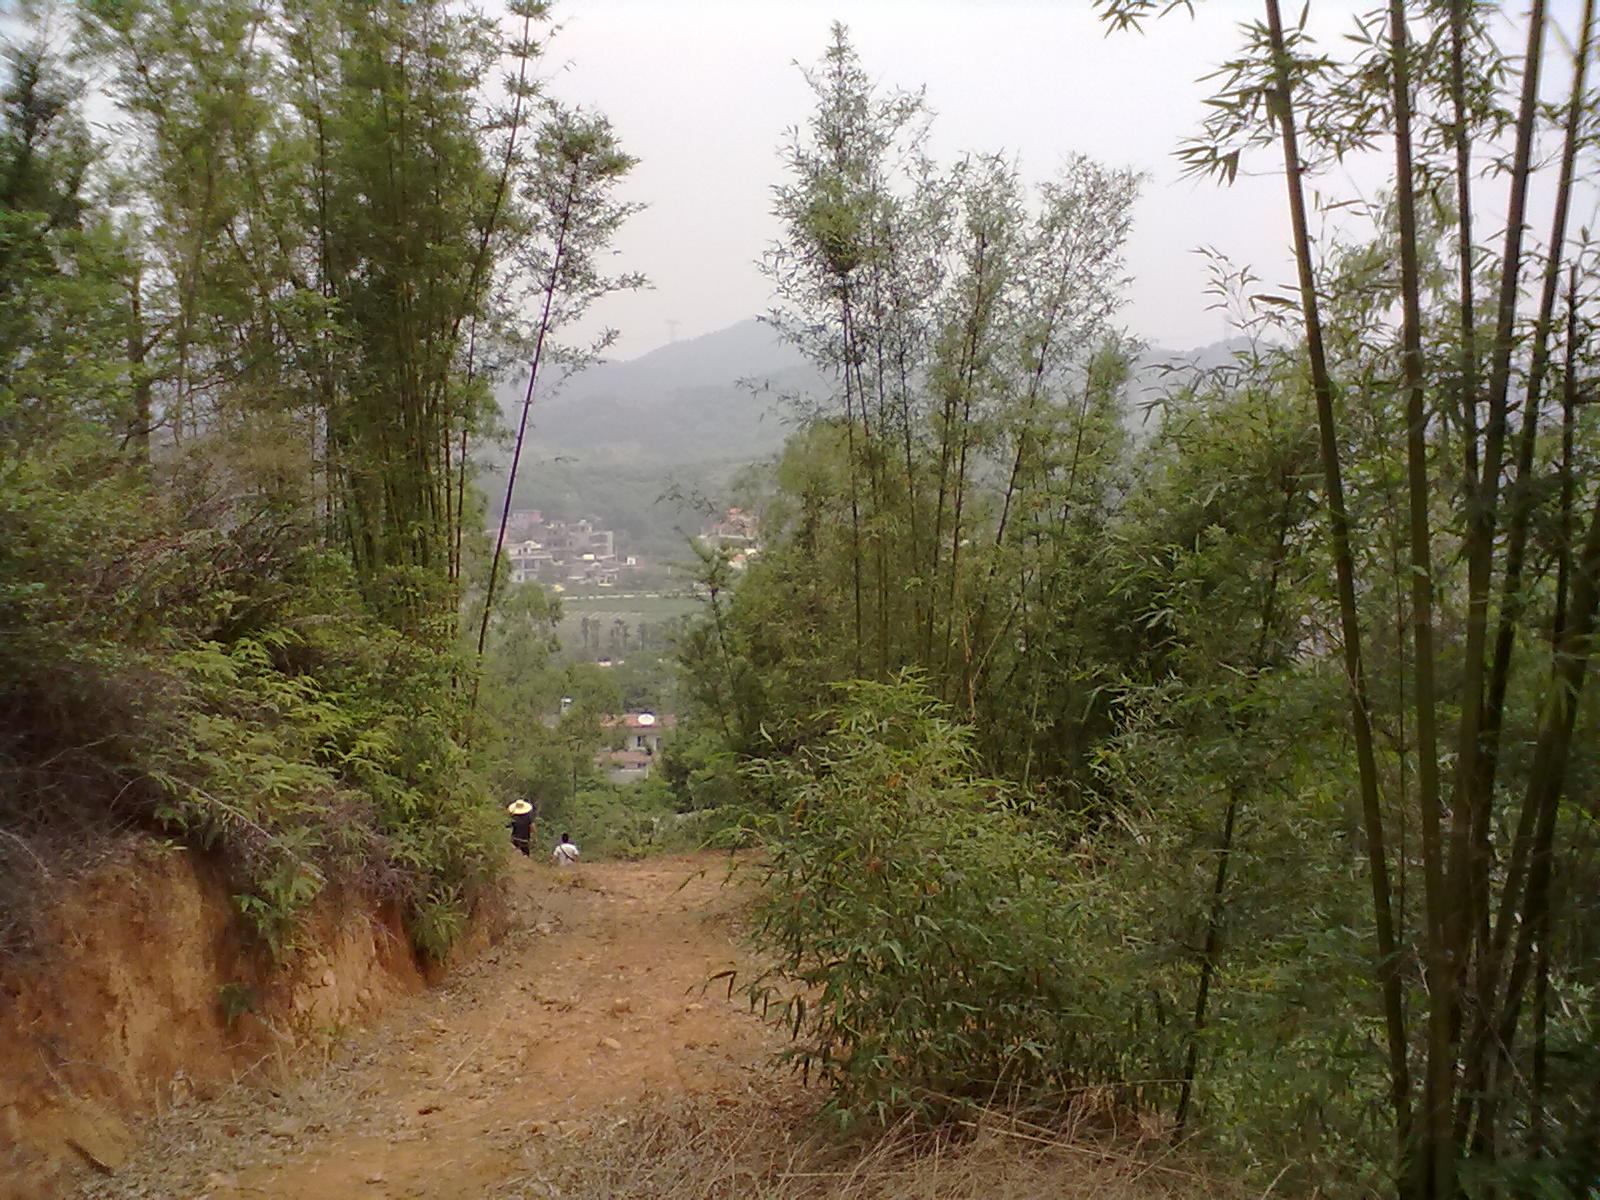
point(588, 1055)
point(593, 1006)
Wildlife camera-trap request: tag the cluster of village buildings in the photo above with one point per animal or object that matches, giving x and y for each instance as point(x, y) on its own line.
point(567, 554)
point(563, 553)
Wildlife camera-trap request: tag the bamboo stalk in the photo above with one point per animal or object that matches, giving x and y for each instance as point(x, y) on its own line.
point(1282, 103)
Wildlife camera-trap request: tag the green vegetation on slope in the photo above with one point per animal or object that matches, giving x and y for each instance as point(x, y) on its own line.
point(243, 356)
point(1246, 771)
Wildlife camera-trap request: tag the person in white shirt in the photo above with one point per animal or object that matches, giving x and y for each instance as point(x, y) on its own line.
point(565, 852)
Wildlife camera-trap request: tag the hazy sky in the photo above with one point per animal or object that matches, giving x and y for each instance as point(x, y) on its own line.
point(701, 91)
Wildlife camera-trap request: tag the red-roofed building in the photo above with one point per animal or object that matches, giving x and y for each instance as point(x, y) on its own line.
point(640, 736)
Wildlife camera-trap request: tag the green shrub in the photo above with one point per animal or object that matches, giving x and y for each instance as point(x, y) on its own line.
point(323, 746)
point(262, 716)
point(437, 921)
point(916, 921)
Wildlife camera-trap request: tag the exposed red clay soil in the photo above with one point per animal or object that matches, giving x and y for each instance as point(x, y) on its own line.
point(593, 1003)
point(122, 1012)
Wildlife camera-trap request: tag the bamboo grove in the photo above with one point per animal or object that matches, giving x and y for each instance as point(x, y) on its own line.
point(1488, 453)
point(977, 432)
point(341, 213)
point(252, 320)
point(1290, 673)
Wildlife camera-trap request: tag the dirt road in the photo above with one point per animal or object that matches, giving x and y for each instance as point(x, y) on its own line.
point(593, 1005)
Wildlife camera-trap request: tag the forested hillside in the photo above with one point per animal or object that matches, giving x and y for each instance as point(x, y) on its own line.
point(1213, 744)
point(721, 396)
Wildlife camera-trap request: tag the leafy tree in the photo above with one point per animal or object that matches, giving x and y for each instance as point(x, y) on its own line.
point(59, 265)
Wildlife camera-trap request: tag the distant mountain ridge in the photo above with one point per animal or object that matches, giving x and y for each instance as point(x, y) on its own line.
point(710, 398)
point(678, 421)
point(719, 398)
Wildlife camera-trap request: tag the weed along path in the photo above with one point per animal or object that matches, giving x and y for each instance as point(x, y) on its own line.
point(592, 1007)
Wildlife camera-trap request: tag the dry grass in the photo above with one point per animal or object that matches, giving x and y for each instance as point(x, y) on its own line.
point(40, 859)
point(766, 1145)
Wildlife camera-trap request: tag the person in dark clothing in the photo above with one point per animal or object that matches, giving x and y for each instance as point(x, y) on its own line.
point(521, 823)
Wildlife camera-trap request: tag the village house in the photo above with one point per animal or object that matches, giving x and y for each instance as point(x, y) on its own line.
point(738, 533)
point(636, 744)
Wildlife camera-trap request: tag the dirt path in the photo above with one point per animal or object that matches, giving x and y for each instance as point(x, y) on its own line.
point(593, 1005)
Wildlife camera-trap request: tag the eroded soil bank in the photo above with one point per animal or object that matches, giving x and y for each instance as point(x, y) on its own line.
point(145, 995)
point(592, 1002)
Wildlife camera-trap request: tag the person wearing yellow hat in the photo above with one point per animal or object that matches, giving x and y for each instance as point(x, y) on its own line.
point(522, 815)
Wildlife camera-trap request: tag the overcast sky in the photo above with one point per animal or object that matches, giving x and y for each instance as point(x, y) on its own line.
point(701, 91)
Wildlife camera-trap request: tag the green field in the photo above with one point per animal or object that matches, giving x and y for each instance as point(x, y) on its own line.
point(631, 606)
point(631, 609)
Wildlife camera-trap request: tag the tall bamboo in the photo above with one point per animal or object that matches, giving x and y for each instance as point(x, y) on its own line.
point(1388, 966)
point(1435, 1155)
